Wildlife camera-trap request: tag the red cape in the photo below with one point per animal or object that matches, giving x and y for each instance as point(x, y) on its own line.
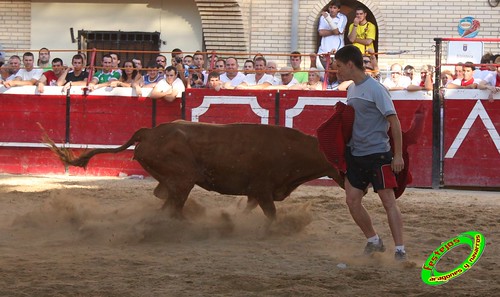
point(334, 134)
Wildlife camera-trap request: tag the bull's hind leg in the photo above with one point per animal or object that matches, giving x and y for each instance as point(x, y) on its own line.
point(161, 192)
point(251, 205)
point(175, 197)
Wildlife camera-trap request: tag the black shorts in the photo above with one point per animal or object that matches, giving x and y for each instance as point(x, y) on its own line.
point(375, 169)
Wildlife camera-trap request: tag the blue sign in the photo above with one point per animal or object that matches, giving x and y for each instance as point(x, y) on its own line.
point(468, 27)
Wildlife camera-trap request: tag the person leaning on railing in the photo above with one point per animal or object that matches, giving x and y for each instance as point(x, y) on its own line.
point(104, 77)
point(492, 81)
point(27, 76)
point(51, 77)
point(74, 75)
point(468, 81)
point(131, 78)
point(287, 81)
point(313, 84)
point(169, 88)
point(426, 82)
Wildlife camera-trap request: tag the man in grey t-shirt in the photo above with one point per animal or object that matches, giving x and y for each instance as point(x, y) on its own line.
point(369, 157)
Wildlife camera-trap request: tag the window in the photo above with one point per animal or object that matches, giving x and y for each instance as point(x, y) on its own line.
point(123, 41)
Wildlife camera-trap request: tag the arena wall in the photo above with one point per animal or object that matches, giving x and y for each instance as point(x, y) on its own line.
point(109, 116)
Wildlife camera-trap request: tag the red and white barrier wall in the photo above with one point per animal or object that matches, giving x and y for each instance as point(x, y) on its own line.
point(108, 117)
point(471, 139)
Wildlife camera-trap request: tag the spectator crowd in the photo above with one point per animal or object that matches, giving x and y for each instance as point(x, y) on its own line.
point(169, 80)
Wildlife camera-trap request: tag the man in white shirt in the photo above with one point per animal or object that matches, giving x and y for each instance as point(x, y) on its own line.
point(331, 29)
point(259, 79)
point(287, 79)
point(169, 88)
point(397, 81)
point(27, 76)
point(14, 64)
point(232, 77)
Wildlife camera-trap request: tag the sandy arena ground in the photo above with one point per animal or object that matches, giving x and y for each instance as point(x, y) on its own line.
point(83, 236)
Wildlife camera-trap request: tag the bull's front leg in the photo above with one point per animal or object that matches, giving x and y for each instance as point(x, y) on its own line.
point(266, 202)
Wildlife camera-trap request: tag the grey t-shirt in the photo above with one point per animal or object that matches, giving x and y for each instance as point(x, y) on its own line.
point(372, 104)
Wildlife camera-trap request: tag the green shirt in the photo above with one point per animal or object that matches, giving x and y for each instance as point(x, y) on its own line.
point(302, 77)
point(105, 77)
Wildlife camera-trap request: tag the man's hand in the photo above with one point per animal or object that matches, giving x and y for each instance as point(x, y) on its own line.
point(397, 164)
point(8, 84)
point(40, 87)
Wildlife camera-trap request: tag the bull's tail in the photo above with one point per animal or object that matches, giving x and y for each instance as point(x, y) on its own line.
point(68, 158)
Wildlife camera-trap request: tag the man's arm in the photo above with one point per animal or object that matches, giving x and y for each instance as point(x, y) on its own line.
point(370, 35)
point(367, 41)
point(455, 86)
point(245, 86)
point(158, 92)
point(397, 163)
point(352, 32)
point(40, 84)
point(61, 81)
point(19, 82)
point(326, 25)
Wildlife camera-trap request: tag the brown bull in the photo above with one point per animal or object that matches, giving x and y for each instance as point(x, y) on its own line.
point(265, 163)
